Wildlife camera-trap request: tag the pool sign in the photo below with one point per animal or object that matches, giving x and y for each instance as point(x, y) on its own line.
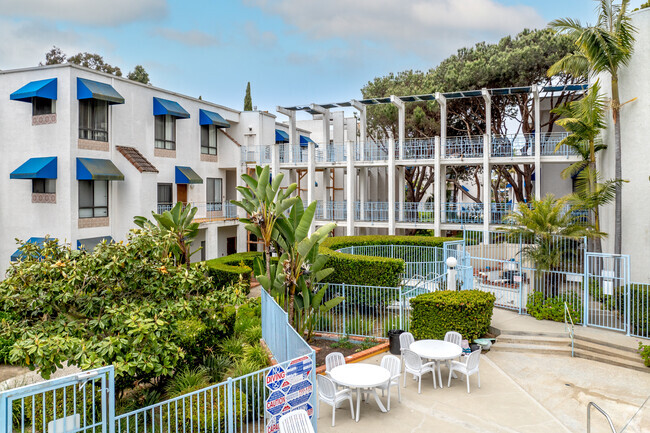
point(275, 378)
point(291, 389)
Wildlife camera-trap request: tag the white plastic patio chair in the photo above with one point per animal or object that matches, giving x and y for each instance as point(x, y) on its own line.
point(394, 365)
point(413, 364)
point(327, 393)
point(405, 340)
point(333, 360)
point(469, 367)
point(296, 421)
point(455, 338)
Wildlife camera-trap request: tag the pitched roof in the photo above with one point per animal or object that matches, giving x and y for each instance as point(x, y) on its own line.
point(137, 159)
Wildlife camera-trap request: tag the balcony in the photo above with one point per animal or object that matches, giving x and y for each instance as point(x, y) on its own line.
point(207, 212)
point(257, 154)
point(464, 146)
point(462, 213)
point(411, 212)
point(416, 148)
point(373, 151)
point(513, 145)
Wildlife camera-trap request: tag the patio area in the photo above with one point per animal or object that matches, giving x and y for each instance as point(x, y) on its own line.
point(539, 393)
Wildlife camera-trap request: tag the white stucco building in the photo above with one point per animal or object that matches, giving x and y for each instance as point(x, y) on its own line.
point(84, 152)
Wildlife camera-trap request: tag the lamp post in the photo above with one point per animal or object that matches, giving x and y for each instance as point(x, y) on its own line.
point(451, 273)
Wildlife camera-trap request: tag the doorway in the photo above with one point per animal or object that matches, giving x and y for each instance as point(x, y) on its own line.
point(181, 192)
point(231, 245)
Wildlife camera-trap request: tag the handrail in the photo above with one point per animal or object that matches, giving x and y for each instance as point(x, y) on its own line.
point(570, 330)
point(609, 420)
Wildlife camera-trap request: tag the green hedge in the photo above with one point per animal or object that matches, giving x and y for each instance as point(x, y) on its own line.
point(542, 308)
point(226, 270)
point(468, 312)
point(368, 270)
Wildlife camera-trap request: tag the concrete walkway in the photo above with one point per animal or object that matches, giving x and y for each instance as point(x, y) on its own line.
point(499, 406)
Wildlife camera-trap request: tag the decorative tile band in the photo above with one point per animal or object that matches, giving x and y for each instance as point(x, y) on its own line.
point(44, 119)
point(86, 223)
point(43, 197)
point(209, 158)
point(164, 153)
point(93, 145)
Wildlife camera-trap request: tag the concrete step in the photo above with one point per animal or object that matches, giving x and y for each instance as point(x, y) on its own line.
point(558, 344)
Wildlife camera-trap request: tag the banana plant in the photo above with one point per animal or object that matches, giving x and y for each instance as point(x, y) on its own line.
point(265, 203)
point(178, 223)
point(301, 263)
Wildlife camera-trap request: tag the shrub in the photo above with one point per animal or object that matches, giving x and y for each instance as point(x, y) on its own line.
point(543, 308)
point(644, 351)
point(6, 339)
point(468, 312)
point(369, 270)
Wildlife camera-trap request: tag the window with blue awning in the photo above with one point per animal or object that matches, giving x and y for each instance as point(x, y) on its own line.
point(211, 118)
point(281, 136)
point(304, 141)
point(46, 89)
point(18, 255)
point(89, 89)
point(163, 107)
point(97, 169)
point(36, 168)
point(185, 175)
point(89, 244)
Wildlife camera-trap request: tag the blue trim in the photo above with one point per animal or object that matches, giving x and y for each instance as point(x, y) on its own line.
point(19, 254)
point(36, 168)
point(464, 188)
point(36, 89)
point(89, 89)
point(185, 175)
point(165, 106)
point(281, 136)
point(211, 118)
point(304, 140)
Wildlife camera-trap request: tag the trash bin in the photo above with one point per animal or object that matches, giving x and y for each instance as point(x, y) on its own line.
point(393, 339)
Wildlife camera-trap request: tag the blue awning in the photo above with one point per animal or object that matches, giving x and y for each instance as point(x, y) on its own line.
point(97, 169)
point(89, 89)
point(304, 140)
point(165, 106)
point(211, 118)
point(36, 168)
point(89, 244)
point(36, 89)
point(185, 175)
point(281, 136)
point(464, 188)
point(19, 254)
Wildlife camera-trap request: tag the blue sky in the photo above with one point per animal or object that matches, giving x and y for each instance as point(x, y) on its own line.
point(292, 51)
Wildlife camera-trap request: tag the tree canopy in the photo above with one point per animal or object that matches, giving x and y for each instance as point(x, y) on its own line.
point(248, 100)
point(516, 61)
point(93, 61)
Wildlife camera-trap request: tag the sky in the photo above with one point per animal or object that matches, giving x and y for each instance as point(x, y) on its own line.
point(293, 52)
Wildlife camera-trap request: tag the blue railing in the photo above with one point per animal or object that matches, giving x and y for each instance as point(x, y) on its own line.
point(412, 212)
point(416, 148)
point(257, 154)
point(463, 213)
point(464, 147)
point(513, 145)
point(370, 211)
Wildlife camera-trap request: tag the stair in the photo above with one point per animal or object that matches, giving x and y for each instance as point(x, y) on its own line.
point(560, 344)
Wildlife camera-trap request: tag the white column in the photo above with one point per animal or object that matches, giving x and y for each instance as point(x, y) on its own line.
point(401, 182)
point(362, 127)
point(538, 144)
point(350, 189)
point(443, 123)
point(487, 175)
point(275, 159)
point(486, 189)
point(242, 235)
point(293, 133)
point(391, 186)
point(363, 189)
point(326, 194)
point(311, 171)
point(437, 189)
point(401, 123)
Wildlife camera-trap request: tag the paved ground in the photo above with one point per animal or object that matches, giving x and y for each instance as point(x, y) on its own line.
point(566, 385)
point(499, 406)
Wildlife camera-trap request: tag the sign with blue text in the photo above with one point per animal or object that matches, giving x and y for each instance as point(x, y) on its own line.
point(291, 389)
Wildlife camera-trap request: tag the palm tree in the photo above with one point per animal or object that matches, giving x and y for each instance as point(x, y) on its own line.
point(604, 47)
point(545, 225)
point(585, 119)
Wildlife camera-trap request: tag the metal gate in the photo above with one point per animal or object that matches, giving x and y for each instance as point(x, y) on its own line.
point(606, 291)
point(83, 402)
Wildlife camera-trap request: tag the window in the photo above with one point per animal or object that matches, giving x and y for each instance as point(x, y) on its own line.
point(44, 186)
point(42, 106)
point(209, 139)
point(93, 198)
point(165, 197)
point(165, 132)
point(213, 194)
point(93, 120)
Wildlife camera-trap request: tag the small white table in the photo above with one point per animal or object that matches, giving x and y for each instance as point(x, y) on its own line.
point(437, 350)
point(361, 377)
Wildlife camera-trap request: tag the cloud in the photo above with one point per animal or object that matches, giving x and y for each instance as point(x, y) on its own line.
point(24, 44)
point(91, 12)
point(192, 38)
point(257, 38)
point(412, 25)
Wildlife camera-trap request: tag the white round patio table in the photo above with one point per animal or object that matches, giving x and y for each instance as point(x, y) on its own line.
point(436, 350)
point(361, 377)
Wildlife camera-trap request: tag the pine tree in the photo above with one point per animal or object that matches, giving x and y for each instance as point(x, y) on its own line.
point(248, 101)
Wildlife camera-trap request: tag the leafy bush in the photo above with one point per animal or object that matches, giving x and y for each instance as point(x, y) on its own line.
point(125, 304)
point(543, 308)
point(6, 339)
point(369, 270)
point(644, 351)
point(468, 312)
